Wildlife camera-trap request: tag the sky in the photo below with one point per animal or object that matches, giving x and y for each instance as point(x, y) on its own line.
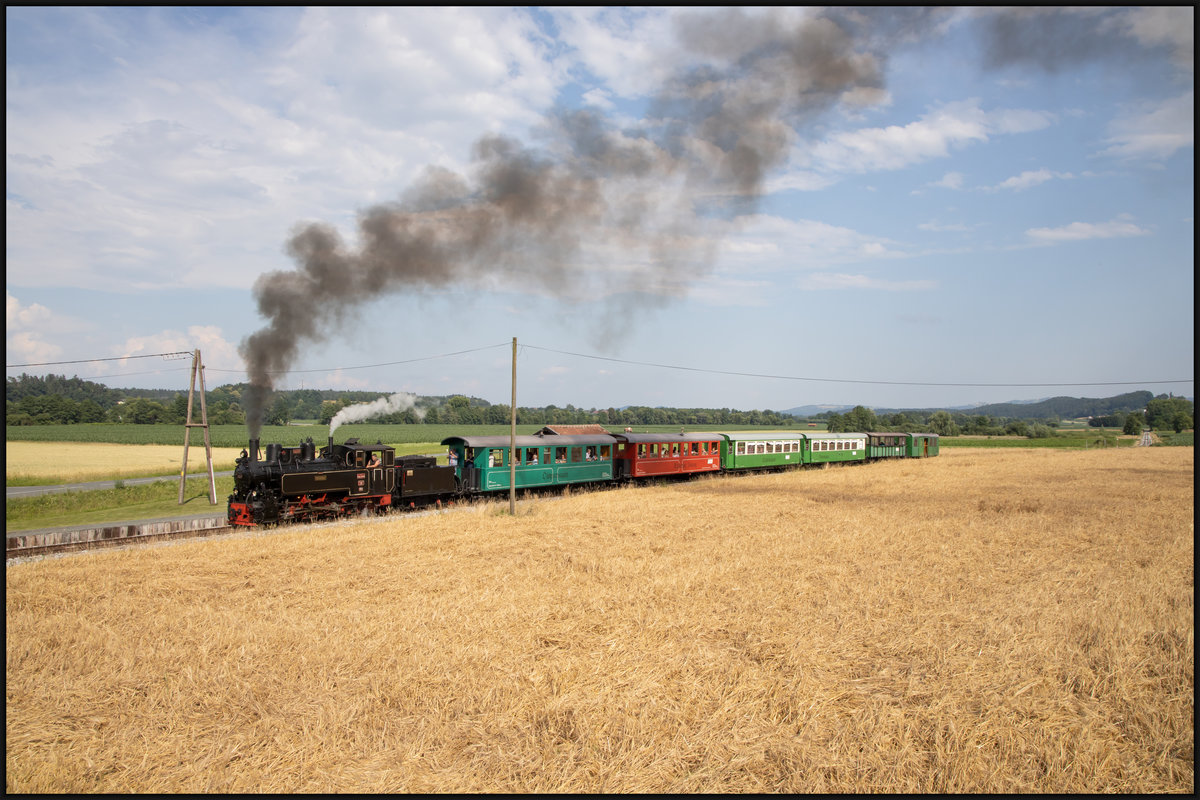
point(726, 208)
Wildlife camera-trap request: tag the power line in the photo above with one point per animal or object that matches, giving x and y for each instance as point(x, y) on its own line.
point(622, 361)
point(371, 366)
point(273, 372)
point(841, 380)
point(96, 360)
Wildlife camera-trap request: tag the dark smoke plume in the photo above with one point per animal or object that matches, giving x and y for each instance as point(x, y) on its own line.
point(592, 211)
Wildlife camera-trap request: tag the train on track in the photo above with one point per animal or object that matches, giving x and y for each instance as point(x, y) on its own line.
point(302, 483)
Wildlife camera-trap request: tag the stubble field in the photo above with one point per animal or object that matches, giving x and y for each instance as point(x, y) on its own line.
point(993, 621)
point(31, 463)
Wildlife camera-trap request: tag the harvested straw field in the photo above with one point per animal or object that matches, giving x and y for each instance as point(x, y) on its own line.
point(84, 461)
point(991, 621)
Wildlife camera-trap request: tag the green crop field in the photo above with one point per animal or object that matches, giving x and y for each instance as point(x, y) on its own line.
point(406, 437)
point(1066, 440)
point(236, 435)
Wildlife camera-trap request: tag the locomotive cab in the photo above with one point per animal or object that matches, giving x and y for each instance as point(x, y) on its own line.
point(368, 467)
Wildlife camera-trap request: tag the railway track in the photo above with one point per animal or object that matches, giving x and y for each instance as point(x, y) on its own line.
point(36, 544)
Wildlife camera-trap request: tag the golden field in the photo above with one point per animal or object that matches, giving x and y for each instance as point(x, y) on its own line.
point(986, 621)
point(90, 461)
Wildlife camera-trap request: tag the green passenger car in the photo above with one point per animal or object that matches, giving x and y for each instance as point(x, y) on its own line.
point(887, 445)
point(922, 445)
point(828, 448)
point(482, 462)
point(755, 450)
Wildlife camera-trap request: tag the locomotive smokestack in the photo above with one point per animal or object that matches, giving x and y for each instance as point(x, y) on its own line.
point(253, 449)
point(331, 444)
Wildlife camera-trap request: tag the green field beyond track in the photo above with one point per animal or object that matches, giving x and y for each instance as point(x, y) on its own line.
point(399, 435)
point(237, 436)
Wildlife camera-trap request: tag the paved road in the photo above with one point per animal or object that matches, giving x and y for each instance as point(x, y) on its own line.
point(11, 492)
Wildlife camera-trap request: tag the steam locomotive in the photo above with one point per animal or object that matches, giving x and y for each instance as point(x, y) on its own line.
point(300, 484)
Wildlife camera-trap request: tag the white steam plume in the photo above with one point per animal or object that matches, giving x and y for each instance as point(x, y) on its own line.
point(401, 401)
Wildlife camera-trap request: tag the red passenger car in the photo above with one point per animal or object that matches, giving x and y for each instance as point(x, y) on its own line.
point(646, 455)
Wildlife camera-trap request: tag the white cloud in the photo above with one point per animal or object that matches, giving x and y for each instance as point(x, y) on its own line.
point(939, 227)
point(338, 379)
point(19, 317)
point(215, 350)
point(30, 331)
point(189, 163)
point(1018, 120)
point(766, 243)
point(729, 292)
point(951, 180)
point(1031, 178)
point(1174, 27)
point(799, 180)
point(600, 98)
point(28, 347)
point(820, 281)
point(935, 135)
point(1156, 131)
point(1079, 231)
point(630, 50)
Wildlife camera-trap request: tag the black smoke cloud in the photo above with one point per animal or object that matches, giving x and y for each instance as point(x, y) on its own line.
point(591, 210)
point(1054, 39)
point(554, 216)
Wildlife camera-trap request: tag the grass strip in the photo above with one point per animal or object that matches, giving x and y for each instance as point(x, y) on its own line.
point(1052, 442)
point(144, 501)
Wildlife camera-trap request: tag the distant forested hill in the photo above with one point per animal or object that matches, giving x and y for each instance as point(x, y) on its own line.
point(77, 389)
point(1060, 407)
point(1068, 407)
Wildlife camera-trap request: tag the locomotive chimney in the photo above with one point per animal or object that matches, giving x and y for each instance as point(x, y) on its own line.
point(331, 445)
point(253, 449)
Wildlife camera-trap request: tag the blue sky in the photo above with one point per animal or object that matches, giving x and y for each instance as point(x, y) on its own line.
point(950, 206)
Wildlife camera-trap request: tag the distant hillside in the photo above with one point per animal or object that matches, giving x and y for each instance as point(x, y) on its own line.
point(1061, 407)
point(1069, 407)
point(812, 411)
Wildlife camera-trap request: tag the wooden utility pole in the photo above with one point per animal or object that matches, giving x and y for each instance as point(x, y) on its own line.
point(512, 440)
point(197, 370)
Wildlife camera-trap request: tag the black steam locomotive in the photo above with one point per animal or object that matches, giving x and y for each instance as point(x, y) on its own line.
point(292, 484)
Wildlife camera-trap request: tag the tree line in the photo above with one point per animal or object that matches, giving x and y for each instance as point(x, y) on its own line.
point(58, 400)
point(462, 410)
point(1165, 412)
